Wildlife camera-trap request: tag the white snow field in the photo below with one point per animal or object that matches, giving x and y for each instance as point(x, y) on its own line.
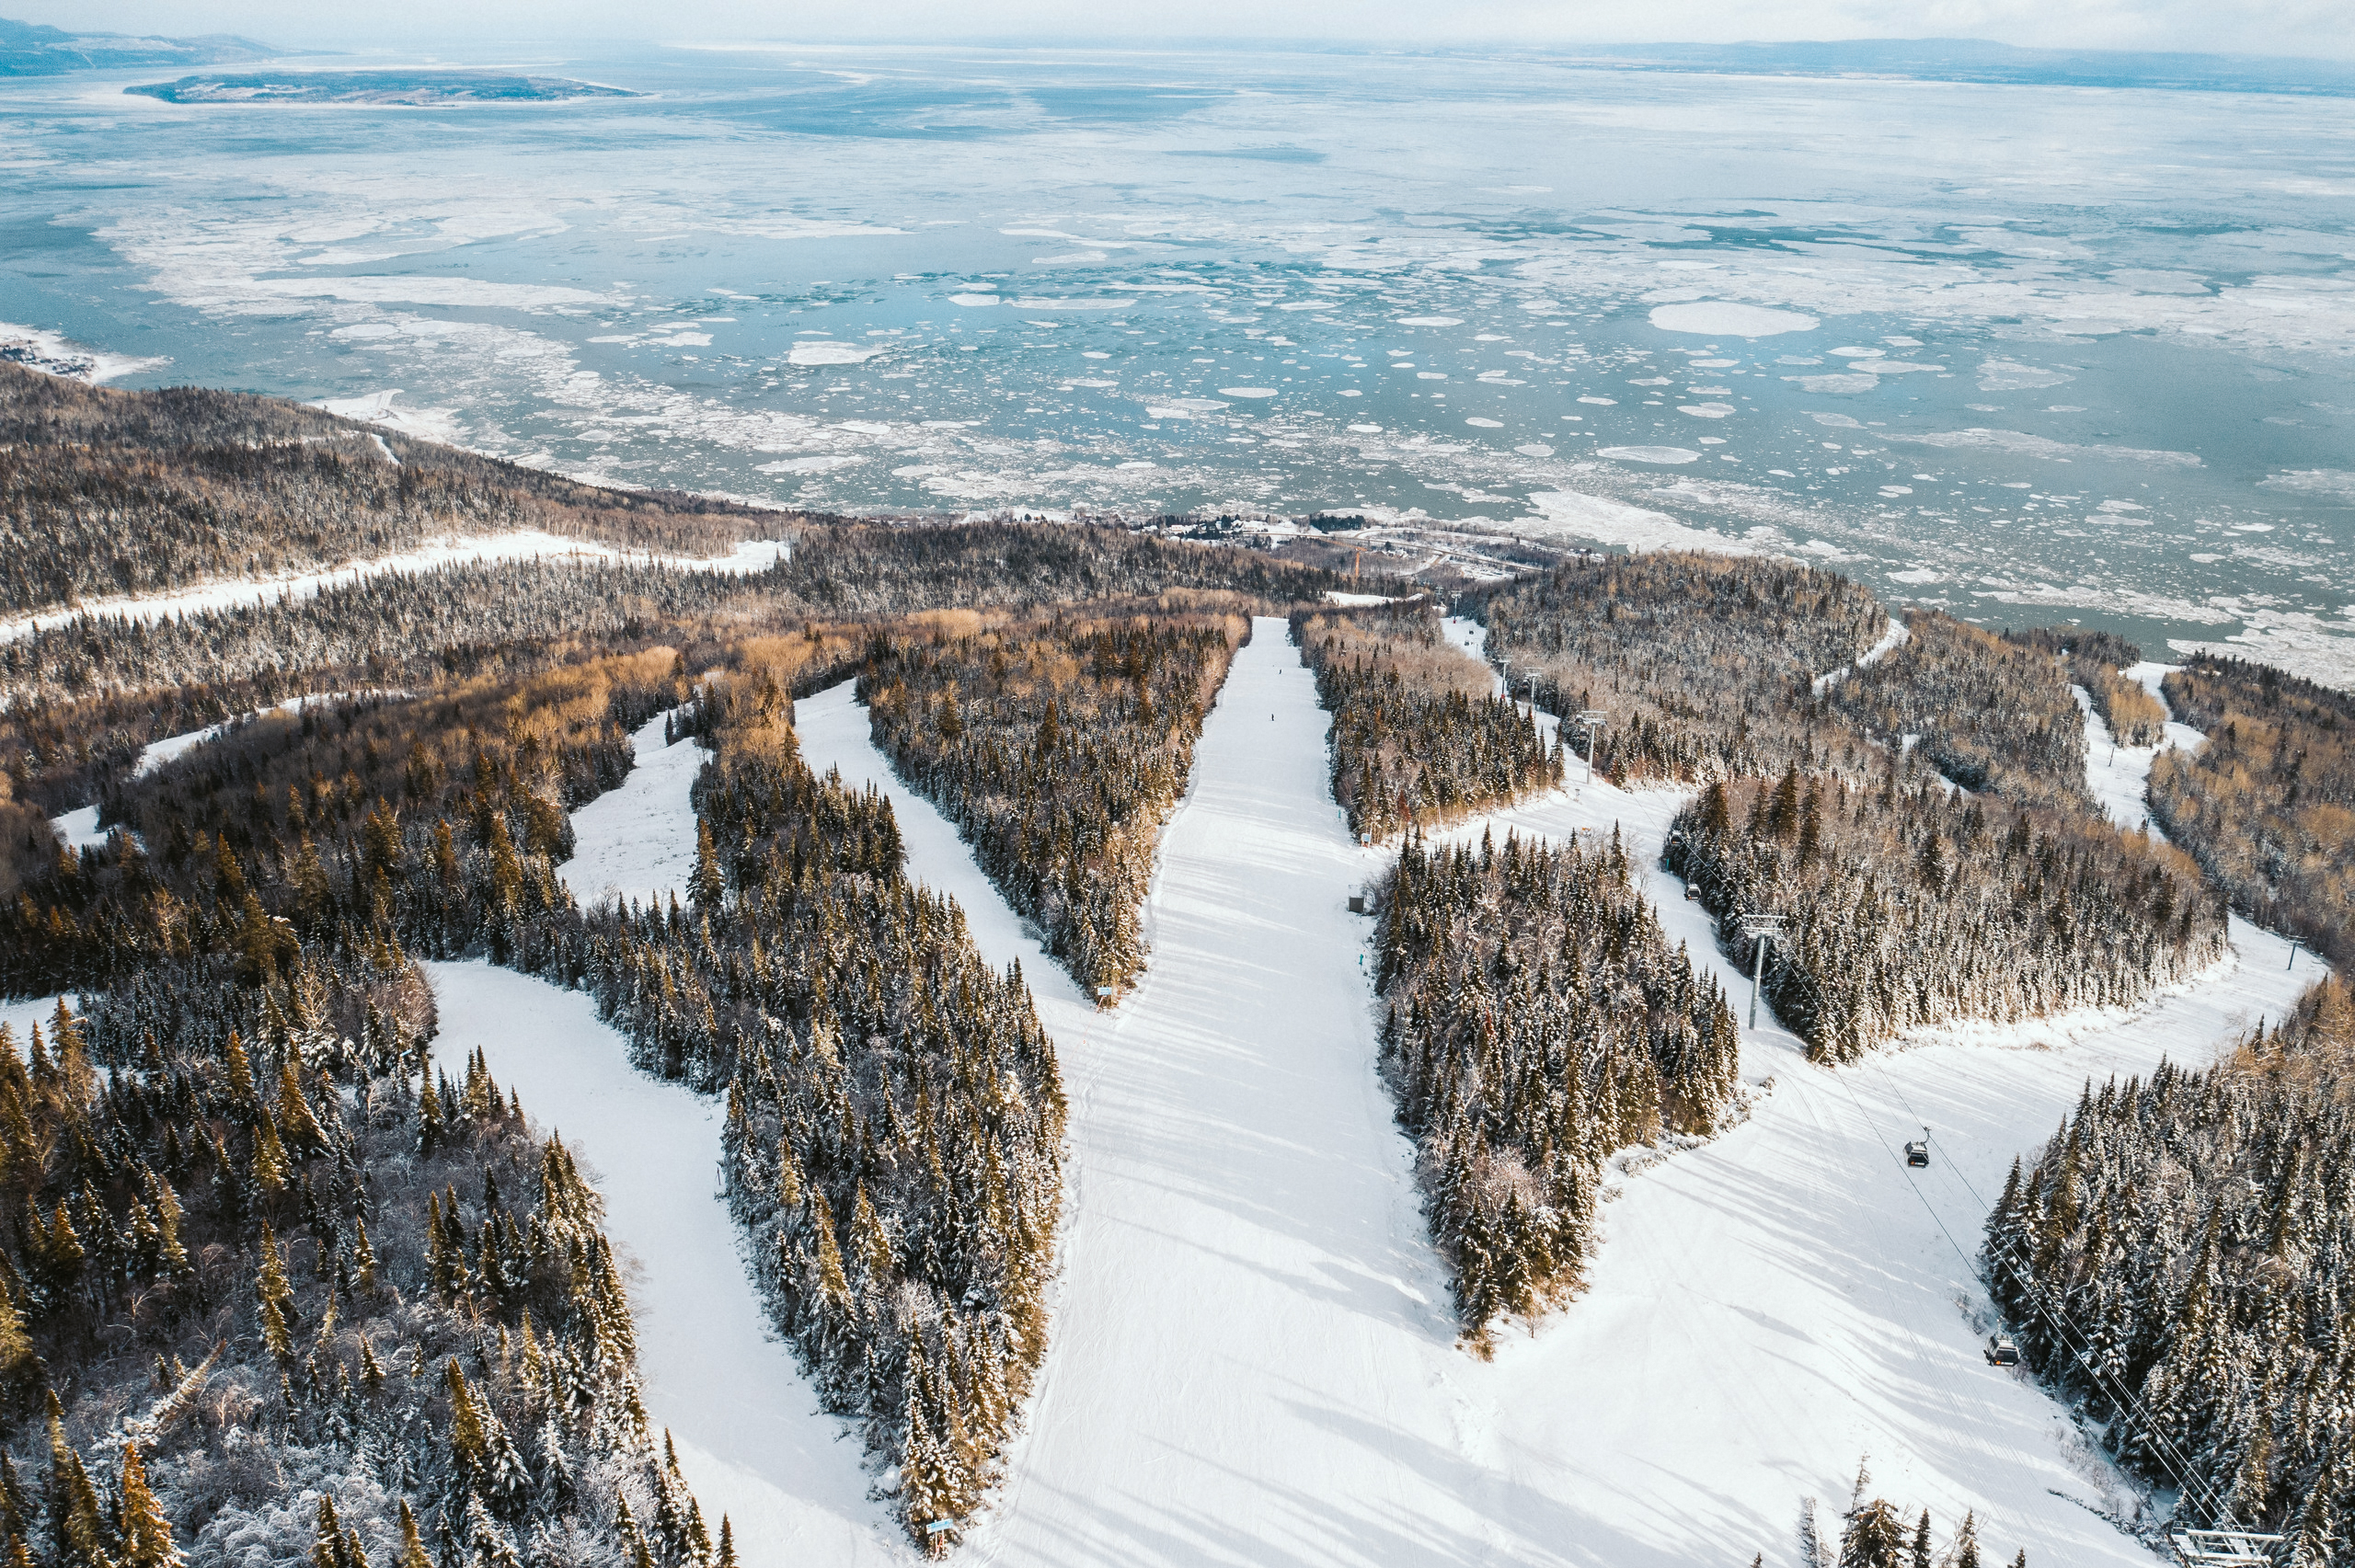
point(638, 844)
point(752, 1440)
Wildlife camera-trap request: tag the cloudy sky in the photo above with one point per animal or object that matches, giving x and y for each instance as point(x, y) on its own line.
point(2323, 27)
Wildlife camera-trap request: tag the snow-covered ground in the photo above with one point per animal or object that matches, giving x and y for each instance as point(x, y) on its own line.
point(1253, 1359)
point(753, 555)
point(638, 842)
point(2119, 775)
point(752, 1440)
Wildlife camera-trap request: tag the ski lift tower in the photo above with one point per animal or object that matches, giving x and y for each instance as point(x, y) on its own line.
point(2225, 1549)
point(1592, 720)
point(1762, 930)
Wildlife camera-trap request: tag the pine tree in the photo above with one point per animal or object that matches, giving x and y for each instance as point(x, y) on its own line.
point(413, 1552)
point(140, 1525)
point(706, 889)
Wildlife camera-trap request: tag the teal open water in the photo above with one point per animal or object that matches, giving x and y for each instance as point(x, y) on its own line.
point(2031, 352)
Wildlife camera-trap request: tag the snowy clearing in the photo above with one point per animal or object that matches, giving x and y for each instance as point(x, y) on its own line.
point(752, 1440)
point(754, 555)
point(638, 844)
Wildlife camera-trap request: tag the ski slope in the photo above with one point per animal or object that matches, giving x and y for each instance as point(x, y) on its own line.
point(1253, 1359)
point(751, 1441)
point(638, 844)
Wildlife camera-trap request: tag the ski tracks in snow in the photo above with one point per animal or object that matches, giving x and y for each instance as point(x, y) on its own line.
point(1253, 1357)
point(1771, 1307)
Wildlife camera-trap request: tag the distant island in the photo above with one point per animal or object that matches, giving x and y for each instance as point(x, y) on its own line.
point(28, 49)
point(415, 88)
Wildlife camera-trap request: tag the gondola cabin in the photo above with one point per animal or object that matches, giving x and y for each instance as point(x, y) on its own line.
point(1917, 1153)
point(2002, 1351)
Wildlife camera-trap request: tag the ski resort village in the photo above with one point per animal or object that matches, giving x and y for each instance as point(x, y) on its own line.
point(558, 1026)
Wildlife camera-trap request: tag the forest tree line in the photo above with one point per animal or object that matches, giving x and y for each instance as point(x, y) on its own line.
point(1059, 746)
point(1420, 737)
point(2267, 806)
point(2174, 1260)
point(1909, 906)
point(275, 1256)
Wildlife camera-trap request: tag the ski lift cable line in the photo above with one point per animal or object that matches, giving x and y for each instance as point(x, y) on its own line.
point(1931, 1369)
point(2081, 1346)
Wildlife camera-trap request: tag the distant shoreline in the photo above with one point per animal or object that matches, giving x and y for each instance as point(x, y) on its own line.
point(416, 89)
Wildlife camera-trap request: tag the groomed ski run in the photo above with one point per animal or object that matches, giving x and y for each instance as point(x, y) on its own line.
point(1254, 1358)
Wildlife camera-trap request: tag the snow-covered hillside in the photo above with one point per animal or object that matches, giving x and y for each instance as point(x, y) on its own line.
point(1252, 1359)
point(752, 1440)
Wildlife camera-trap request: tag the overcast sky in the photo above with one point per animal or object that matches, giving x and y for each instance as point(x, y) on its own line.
point(2264, 27)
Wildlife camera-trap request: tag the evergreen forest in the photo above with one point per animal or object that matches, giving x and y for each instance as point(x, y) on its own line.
point(1908, 904)
point(2268, 804)
point(1420, 737)
point(1059, 746)
point(1536, 1021)
point(2174, 1260)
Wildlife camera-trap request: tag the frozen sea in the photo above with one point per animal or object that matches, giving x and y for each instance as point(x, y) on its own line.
point(2028, 353)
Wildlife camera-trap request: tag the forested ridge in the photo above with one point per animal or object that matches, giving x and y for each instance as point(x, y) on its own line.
point(894, 1130)
point(1990, 714)
point(106, 492)
point(1059, 747)
point(1419, 736)
point(2174, 1259)
point(1700, 665)
point(2097, 660)
point(1536, 1021)
point(2268, 804)
point(1908, 906)
point(404, 628)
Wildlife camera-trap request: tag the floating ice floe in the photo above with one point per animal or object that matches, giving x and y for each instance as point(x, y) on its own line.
point(1430, 321)
point(2010, 375)
point(814, 465)
point(824, 352)
point(1720, 318)
point(1651, 454)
